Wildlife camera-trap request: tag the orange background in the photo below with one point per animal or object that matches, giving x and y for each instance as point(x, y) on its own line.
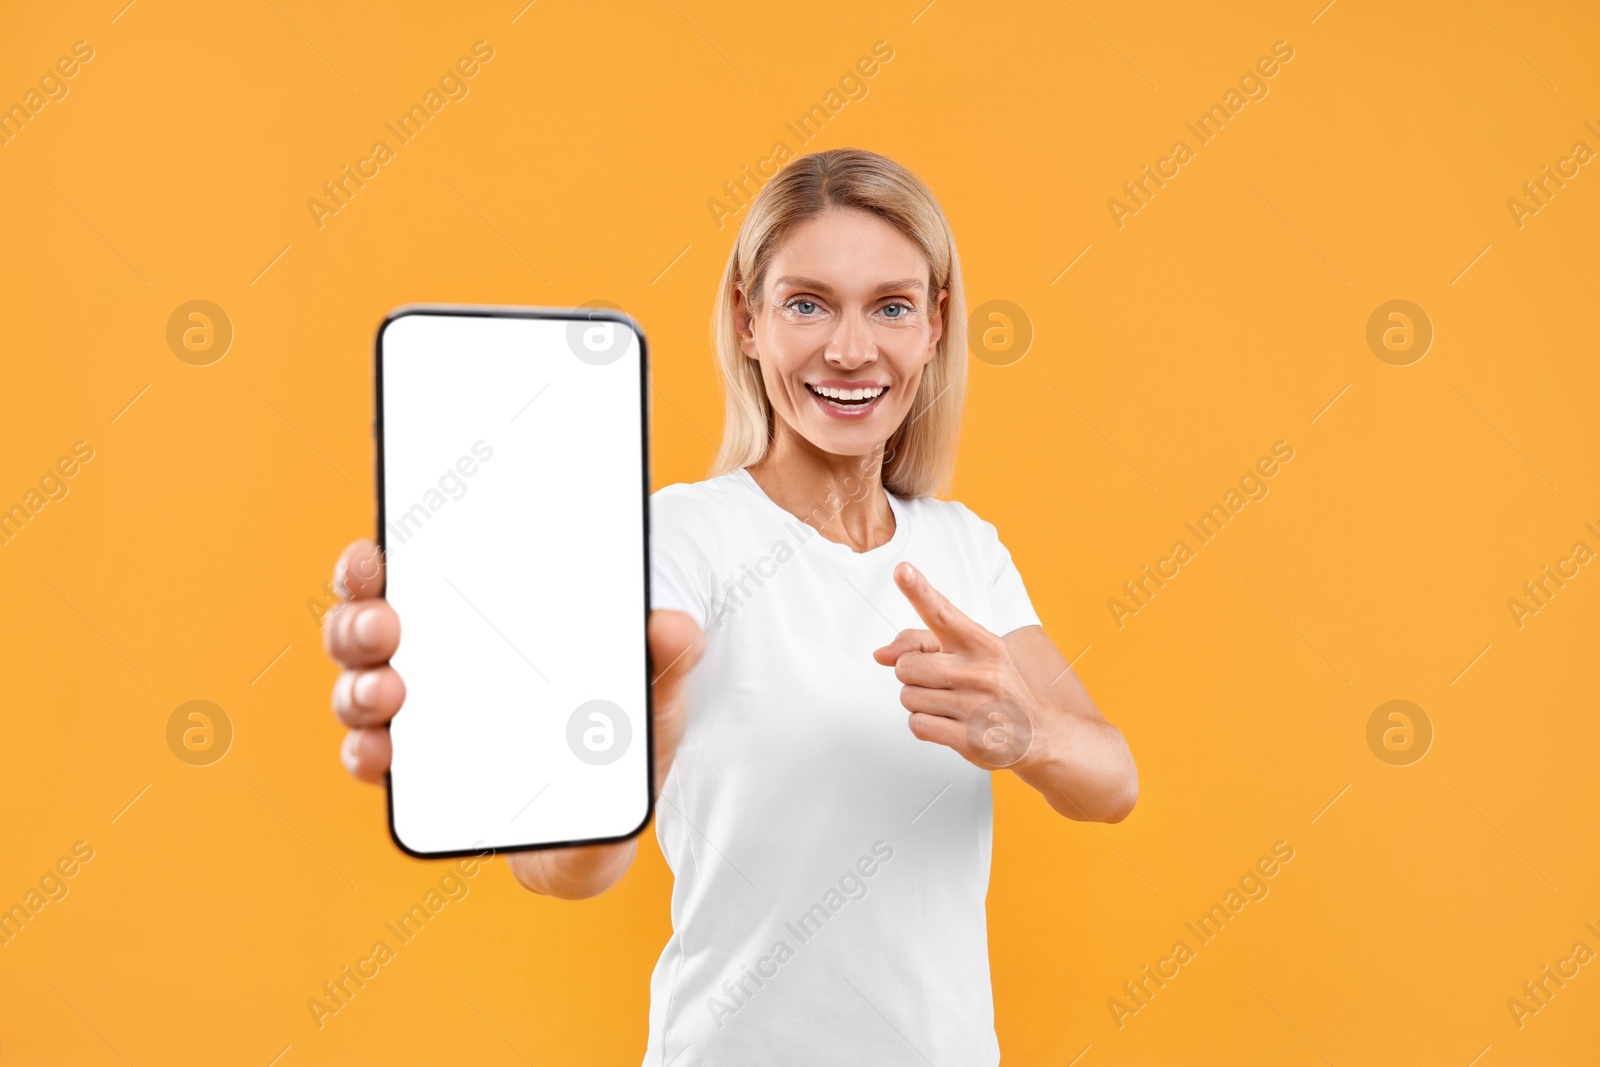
point(1223, 317)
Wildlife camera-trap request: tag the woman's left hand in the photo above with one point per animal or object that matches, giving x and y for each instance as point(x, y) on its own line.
point(961, 686)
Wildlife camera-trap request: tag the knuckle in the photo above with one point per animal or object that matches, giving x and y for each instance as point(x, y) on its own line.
point(397, 688)
point(371, 697)
point(331, 629)
point(341, 693)
point(350, 753)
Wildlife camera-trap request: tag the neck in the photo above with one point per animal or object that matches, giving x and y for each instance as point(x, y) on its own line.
point(842, 497)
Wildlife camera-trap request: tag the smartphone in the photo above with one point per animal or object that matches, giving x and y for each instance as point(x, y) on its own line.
point(513, 518)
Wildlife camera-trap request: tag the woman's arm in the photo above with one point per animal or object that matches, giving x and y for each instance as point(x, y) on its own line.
point(1009, 702)
point(1078, 760)
point(676, 644)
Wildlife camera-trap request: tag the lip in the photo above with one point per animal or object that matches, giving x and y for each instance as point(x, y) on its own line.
point(850, 383)
point(853, 413)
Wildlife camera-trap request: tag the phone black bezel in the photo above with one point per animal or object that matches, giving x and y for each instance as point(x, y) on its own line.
point(521, 312)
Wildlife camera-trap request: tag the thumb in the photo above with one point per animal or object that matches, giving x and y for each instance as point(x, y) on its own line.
point(676, 645)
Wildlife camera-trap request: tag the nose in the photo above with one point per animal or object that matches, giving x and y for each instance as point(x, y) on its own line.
point(851, 345)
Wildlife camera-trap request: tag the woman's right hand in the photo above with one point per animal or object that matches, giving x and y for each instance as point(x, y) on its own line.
point(362, 631)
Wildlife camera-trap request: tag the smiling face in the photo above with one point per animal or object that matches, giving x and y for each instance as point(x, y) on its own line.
point(845, 327)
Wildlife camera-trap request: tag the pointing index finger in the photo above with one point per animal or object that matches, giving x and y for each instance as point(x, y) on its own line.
point(947, 621)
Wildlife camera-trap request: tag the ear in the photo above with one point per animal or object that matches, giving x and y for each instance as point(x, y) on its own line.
point(936, 322)
point(744, 322)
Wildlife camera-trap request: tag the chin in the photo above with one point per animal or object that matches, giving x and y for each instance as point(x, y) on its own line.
point(855, 442)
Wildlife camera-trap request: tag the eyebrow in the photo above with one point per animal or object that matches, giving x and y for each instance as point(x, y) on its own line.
point(797, 282)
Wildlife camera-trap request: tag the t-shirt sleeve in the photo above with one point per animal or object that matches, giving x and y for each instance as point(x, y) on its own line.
point(680, 571)
point(1010, 606)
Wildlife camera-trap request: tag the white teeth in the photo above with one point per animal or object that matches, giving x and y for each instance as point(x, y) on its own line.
point(849, 394)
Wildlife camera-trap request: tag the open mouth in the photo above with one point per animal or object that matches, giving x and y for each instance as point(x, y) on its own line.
point(847, 402)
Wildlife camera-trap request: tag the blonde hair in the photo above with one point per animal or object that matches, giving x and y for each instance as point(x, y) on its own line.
point(920, 454)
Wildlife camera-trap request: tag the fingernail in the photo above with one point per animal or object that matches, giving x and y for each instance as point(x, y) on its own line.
point(341, 585)
point(365, 690)
point(365, 630)
point(347, 751)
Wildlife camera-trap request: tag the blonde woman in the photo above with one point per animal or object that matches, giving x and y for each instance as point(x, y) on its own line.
point(845, 659)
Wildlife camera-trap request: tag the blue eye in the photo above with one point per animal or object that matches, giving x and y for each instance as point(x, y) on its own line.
point(805, 307)
point(905, 309)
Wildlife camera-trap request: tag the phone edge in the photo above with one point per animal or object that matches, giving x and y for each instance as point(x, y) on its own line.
point(528, 312)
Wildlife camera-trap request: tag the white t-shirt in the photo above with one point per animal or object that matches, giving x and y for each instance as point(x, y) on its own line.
point(830, 869)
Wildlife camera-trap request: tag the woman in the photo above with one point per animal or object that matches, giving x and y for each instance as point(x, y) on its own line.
point(830, 852)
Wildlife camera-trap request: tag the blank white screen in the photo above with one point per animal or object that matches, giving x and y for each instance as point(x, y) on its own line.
point(514, 526)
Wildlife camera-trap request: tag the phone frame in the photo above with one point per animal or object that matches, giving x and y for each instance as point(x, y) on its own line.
point(507, 311)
